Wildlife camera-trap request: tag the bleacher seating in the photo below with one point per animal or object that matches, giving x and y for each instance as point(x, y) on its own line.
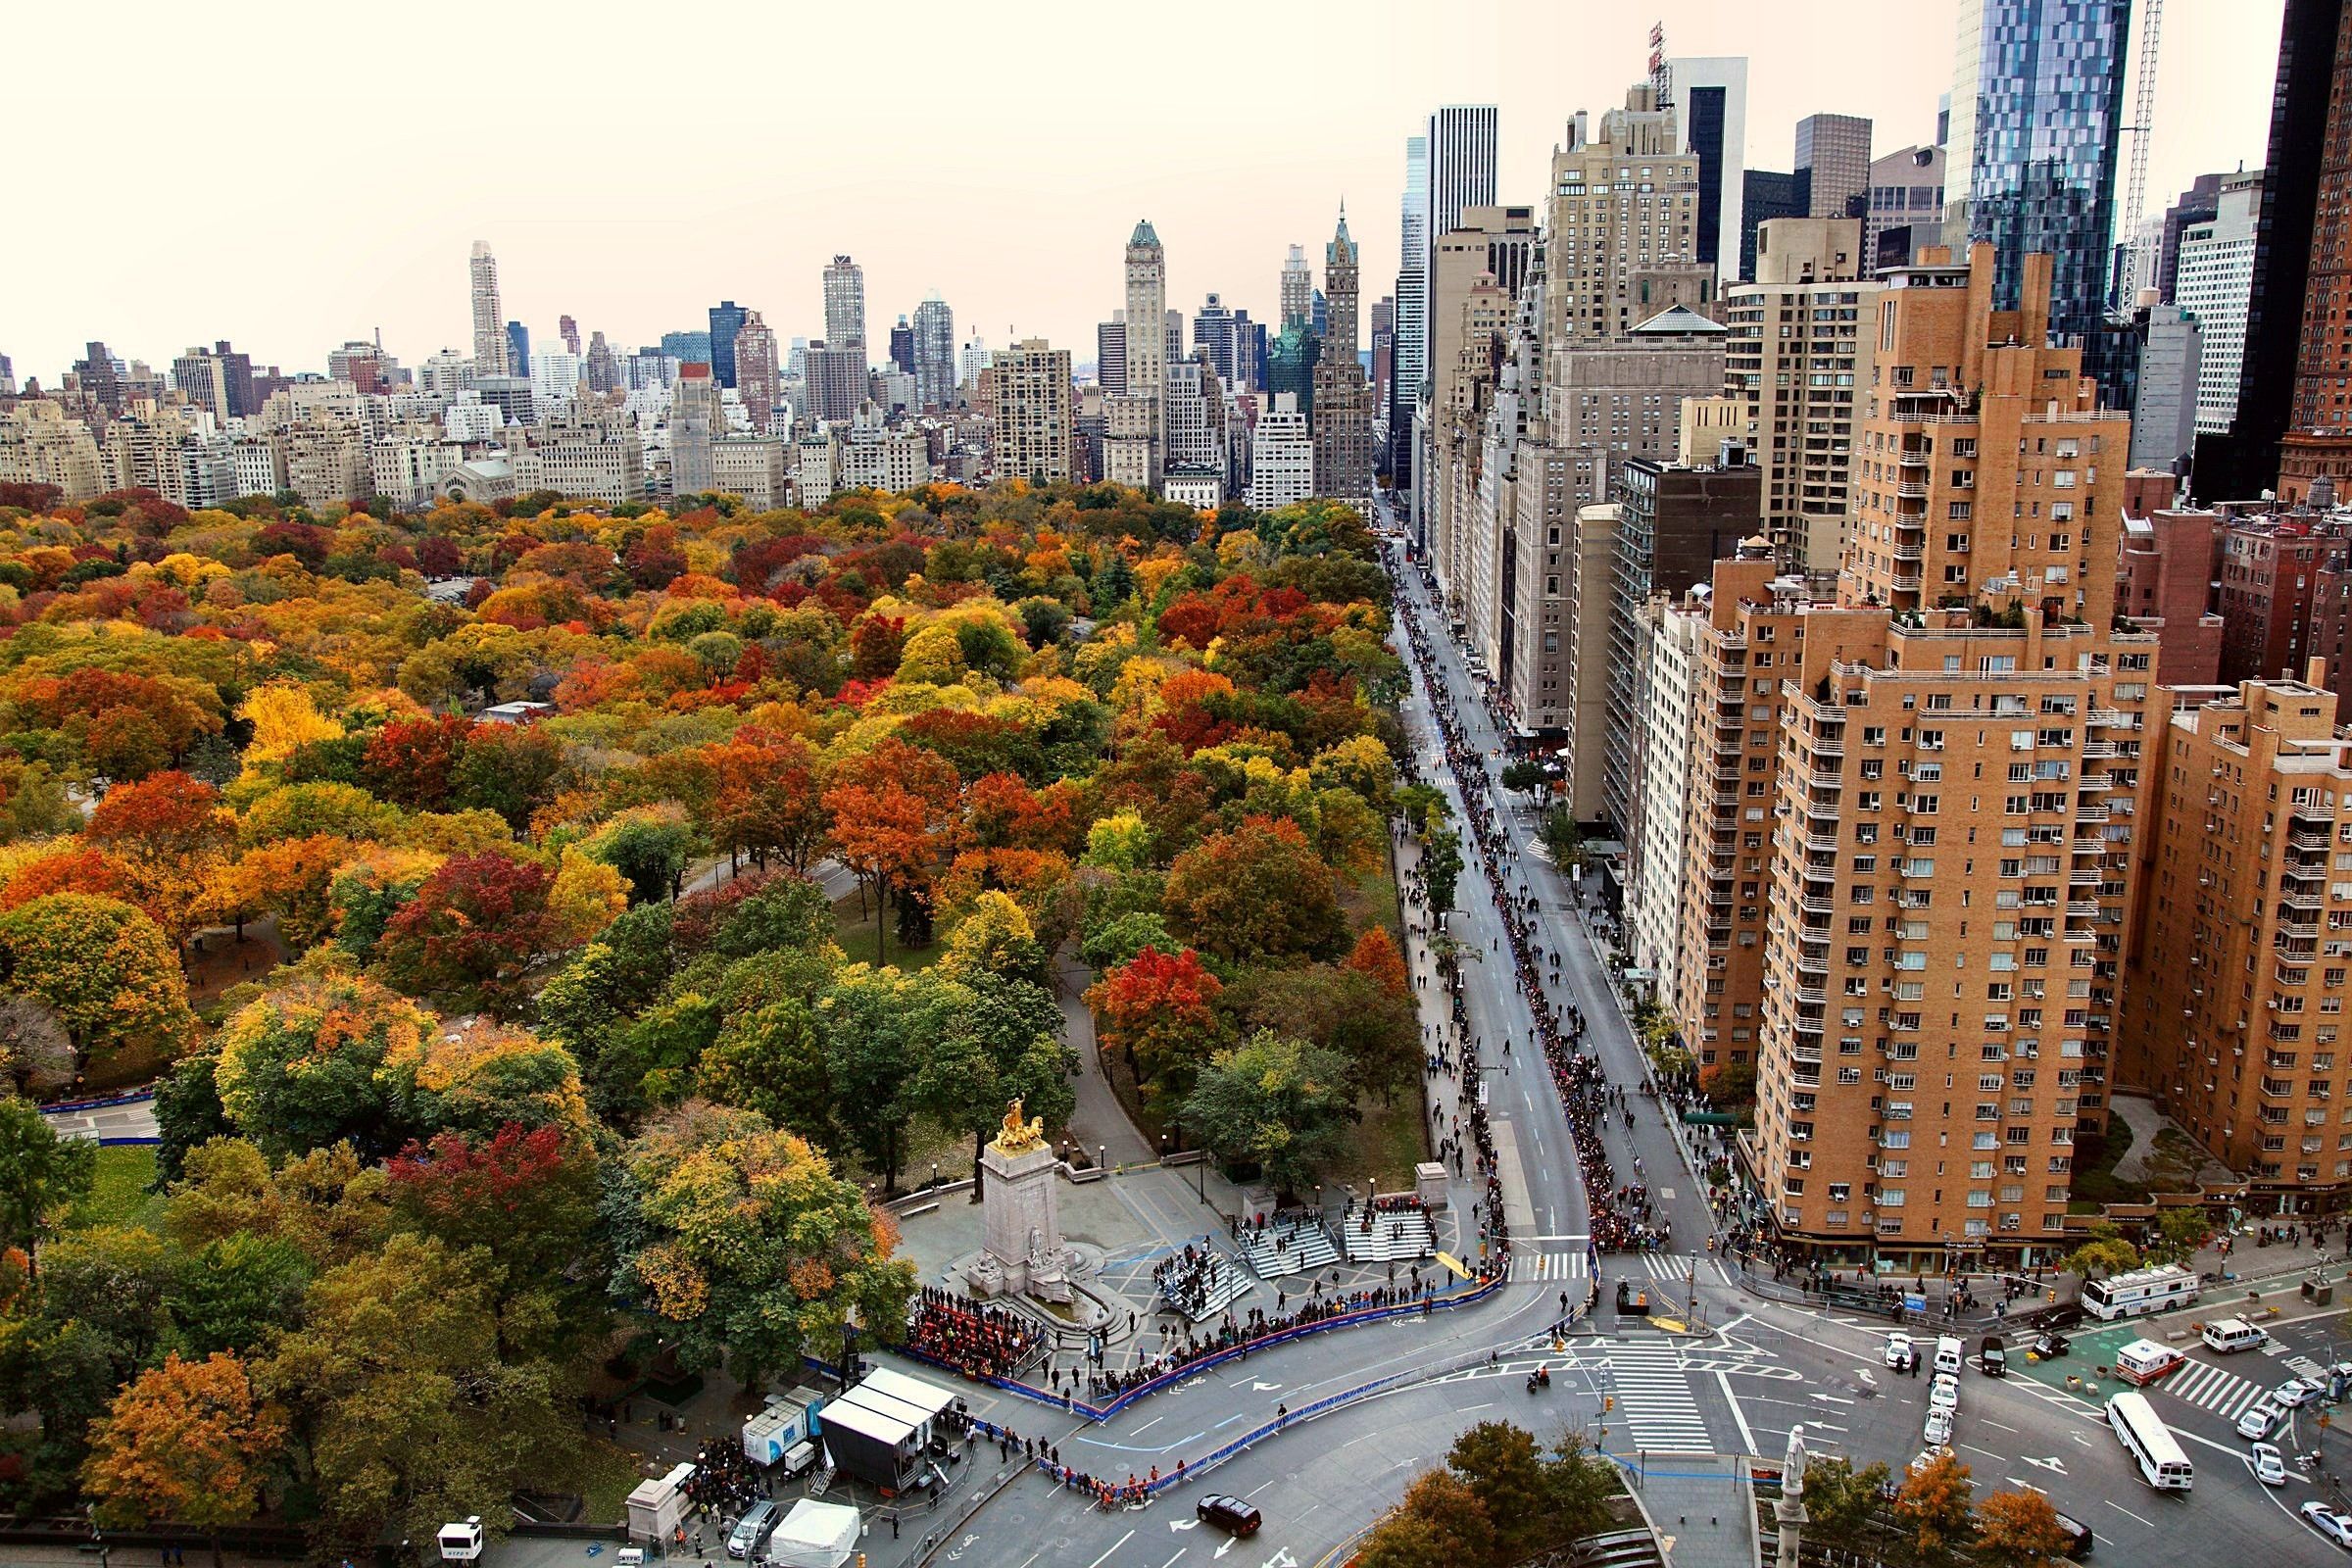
point(1399, 1231)
point(1293, 1244)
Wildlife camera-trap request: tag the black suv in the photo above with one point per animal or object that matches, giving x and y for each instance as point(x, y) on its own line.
point(1229, 1514)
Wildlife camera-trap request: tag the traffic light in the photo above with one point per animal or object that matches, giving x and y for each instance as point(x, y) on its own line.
point(1608, 1402)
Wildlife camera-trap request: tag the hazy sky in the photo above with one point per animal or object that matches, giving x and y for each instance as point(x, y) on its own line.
point(292, 175)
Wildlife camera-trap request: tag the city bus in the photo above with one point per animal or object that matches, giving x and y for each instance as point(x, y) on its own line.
point(2138, 1292)
point(2162, 1463)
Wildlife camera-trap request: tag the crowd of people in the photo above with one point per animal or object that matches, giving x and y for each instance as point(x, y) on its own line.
point(1188, 1281)
point(1623, 1216)
point(976, 1340)
point(723, 1485)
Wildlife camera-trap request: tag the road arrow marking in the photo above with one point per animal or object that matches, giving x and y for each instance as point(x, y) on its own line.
point(2052, 1464)
point(1264, 1388)
point(1228, 1546)
point(1184, 1523)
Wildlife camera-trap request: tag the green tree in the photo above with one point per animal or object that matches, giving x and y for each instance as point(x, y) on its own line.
point(1843, 1501)
point(2180, 1232)
point(41, 1175)
point(1505, 1471)
point(649, 846)
point(1282, 1102)
point(2105, 1252)
point(235, 1292)
point(1340, 1010)
point(403, 1413)
point(772, 1062)
point(1563, 839)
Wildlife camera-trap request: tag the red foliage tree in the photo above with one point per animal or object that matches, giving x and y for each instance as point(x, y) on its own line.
point(1375, 956)
point(413, 761)
point(478, 922)
point(1160, 1009)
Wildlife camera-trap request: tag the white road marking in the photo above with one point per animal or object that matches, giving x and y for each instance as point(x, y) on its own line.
point(2126, 1513)
point(1748, 1438)
point(1114, 1546)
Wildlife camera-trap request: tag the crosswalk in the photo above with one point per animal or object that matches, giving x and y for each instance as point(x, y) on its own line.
point(1654, 1398)
point(1548, 1265)
point(2210, 1388)
point(1678, 1269)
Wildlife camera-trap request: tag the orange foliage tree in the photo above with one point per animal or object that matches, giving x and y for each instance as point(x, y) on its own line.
point(188, 1442)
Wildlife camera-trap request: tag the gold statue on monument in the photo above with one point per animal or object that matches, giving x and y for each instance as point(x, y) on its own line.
point(1018, 1137)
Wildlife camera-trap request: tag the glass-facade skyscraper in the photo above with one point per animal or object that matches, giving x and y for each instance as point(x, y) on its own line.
point(726, 320)
point(2037, 97)
point(519, 349)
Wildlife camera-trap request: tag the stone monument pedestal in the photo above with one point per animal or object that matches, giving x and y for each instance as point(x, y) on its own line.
point(1429, 1183)
point(1022, 1248)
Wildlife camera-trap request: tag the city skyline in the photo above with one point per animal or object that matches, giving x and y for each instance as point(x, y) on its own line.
point(1229, 197)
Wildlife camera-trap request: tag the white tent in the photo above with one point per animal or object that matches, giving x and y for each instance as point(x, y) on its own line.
point(814, 1535)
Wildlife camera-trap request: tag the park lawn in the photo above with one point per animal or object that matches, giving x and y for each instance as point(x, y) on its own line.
point(1389, 1140)
point(118, 1193)
point(854, 929)
point(604, 1474)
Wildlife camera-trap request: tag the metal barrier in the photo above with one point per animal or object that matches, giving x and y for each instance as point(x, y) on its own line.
point(1069, 1405)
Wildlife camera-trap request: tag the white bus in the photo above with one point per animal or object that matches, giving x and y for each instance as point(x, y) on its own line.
point(2162, 1463)
point(2138, 1292)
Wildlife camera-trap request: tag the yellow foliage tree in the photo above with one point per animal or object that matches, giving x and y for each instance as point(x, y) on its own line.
point(283, 718)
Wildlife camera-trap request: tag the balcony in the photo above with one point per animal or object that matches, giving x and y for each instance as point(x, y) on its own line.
point(1904, 582)
point(2310, 843)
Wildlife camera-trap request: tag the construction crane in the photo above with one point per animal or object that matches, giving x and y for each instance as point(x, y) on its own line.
point(2144, 117)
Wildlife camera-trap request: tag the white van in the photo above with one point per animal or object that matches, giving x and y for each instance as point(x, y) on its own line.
point(1948, 1352)
point(2143, 1361)
point(2232, 1334)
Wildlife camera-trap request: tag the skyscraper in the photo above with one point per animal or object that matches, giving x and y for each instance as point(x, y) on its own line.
point(1146, 348)
point(1612, 264)
point(1033, 408)
point(1832, 164)
point(756, 370)
point(519, 351)
point(2303, 105)
point(1343, 398)
point(2037, 94)
point(1411, 359)
point(1212, 332)
point(1298, 290)
point(934, 352)
point(570, 332)
point(1111, 354)
point(2319, 427)
point(726, 317)
point(845, 304)
point(2213, 278)
point(1711, 94)
point(902, 346)
point(489, 334)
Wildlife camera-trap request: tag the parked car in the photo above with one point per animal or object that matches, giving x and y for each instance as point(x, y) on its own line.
point(2051, 1346)
point(2296, 1393)
point(1944, 1393)
point(1901, 1354)
point(2336, 1526)
point(1939, 1427)
point(1232, 1515)
point(2261, 1419)
point(758, 1522)
point(2268, 1466)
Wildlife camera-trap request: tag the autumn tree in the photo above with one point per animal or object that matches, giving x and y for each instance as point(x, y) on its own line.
point(1439, 1524)
point(893, 811)
point(1258, 891)
point(2020, 1530)
point(513, 769)
point(769, 801)
point(1376, 1032)
point(189, 1443)
point(477, 924)
point(741, 1237)
point(323, 1060)
point(1931, 1506)
point(103, 967)
point(171, 837)
point(1375, 956)
point(1159, 1010)
point(413, 761)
